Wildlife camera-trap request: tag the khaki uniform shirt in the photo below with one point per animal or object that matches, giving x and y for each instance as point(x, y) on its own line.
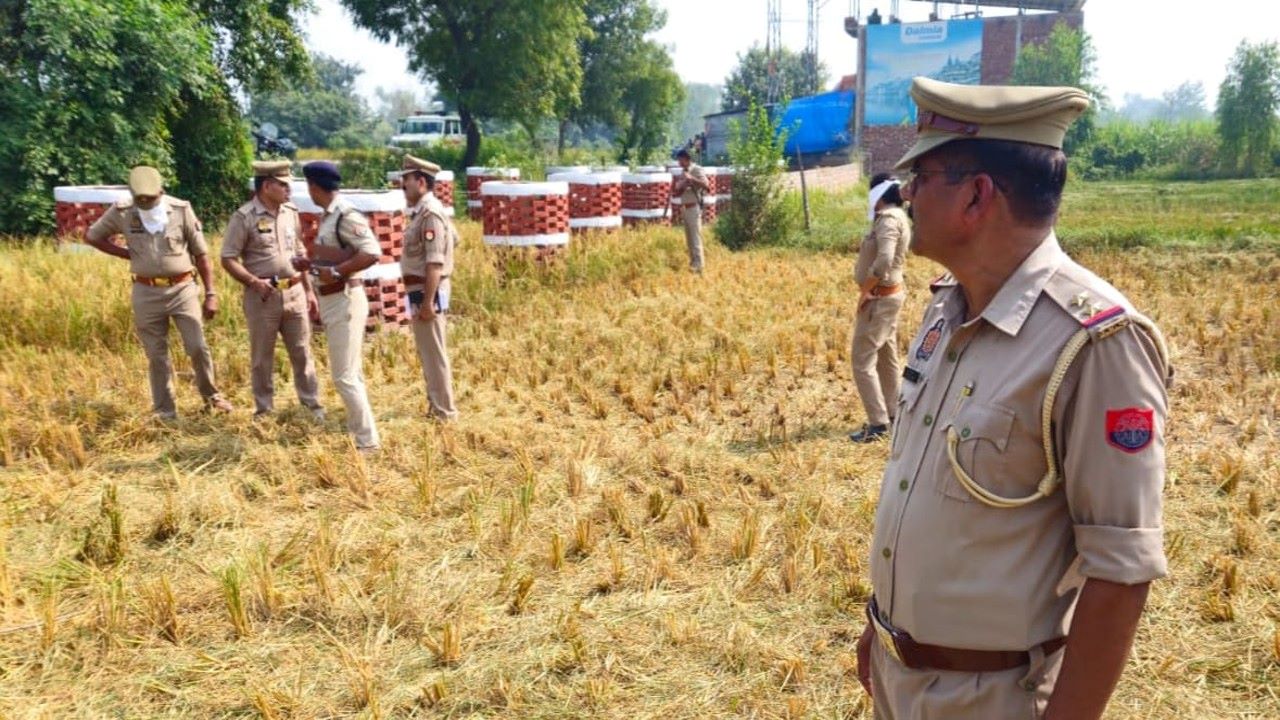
point(163, 254)
point(884, 249)
point(693, 193)
point(263, 241)
point(953, 571)
point(430, 238)
point(345, 227)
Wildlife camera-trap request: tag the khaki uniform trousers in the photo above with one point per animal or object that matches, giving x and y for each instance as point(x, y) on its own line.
point(344, 315)
point(282, 314)
point(429, 337)
point(152, 309)
point(876, 367)
point(901, 693)
point(692, 218)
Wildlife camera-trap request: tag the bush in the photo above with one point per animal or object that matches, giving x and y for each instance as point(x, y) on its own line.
point(759, 212)
point(1157, 150)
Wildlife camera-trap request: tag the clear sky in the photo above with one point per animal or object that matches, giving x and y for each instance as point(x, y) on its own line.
point(1144, 46)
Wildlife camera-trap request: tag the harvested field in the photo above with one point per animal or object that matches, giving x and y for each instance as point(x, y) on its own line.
point(649, 508)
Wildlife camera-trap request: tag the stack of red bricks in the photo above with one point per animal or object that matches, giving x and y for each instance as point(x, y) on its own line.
point(646, 197)
point(382, 282)
point(724, 189)
point(76, 207)
point(595, 200)
point(710, 199)
point(477, 177)
point(525, 221)
point(444, 190)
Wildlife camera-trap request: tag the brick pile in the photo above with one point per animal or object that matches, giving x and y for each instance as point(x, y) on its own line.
point(724, 189)
point(646, 197)
point(76, 207)
point(525, 222)
point(710, 201)
point(444, 190)
point(478, 176)
point(595, 200)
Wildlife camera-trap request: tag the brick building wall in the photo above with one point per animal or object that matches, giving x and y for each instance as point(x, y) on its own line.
point(999, 35)
point(882, 145)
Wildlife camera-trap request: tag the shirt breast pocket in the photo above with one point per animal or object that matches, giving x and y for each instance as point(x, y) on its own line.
point(980, 436)
point(173, 242)
point(997, 452)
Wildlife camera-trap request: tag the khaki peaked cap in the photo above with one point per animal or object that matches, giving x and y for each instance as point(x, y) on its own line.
point(279, 169)
point(145, 181)
point(1027, 114)
point(426, 167)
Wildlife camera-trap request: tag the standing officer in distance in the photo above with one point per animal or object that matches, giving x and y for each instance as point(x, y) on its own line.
point(261, 238)
point(1019, 521)
point(344, 246)
point(427, 263)
point(692, 186)
point(879, 278)
point(164, 242)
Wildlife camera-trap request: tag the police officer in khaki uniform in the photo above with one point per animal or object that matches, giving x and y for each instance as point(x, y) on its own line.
point(163, 244)
point(878, 274)
point(1019, 521)
point(344, 246)
point(261, 238)
point(692, 186)
point(427, 264)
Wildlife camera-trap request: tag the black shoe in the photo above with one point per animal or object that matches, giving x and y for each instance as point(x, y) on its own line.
point(869, 433)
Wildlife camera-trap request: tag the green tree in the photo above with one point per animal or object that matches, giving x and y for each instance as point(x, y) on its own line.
point(610, 51)
point(1247, 103)
point(1066, 57)
point(699, 99)
point(324, 111)
point(651, 94)
point(503, 59)
point(788, 75)
point(94, 86)
point(759, 212)
point(396, 104)
point(1183, 103)
point(258, 43)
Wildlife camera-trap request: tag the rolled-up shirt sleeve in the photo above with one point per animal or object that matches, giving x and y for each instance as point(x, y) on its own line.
point(356, 232)
point(1112, 450)
point(110, 224)
point(234, 237)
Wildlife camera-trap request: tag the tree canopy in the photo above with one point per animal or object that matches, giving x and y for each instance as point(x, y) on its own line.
point(504, 59)
point(751, 80)
point(324, 111)
point(1066, 57)
point(92, 87)
point(1247, 104)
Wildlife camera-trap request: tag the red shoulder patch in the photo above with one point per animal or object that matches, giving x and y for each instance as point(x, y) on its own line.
point(1131, 429)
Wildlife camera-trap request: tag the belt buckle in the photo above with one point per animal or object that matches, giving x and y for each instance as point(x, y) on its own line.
point(886, 639)
point(163, 282)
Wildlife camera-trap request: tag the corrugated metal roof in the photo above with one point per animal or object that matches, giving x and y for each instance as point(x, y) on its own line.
point(1054, 5)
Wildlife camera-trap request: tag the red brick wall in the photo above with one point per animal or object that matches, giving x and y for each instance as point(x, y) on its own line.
point(882, 145)
point(1000, 33)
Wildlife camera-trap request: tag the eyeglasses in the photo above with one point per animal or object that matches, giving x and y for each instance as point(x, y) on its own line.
point(954, 175)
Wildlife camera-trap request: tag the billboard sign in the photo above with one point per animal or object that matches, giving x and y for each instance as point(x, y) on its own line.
point(949, 50)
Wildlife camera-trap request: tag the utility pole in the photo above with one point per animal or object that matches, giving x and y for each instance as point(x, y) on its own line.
point(773, 50)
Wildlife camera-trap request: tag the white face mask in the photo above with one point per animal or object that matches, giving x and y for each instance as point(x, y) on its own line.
point(155, 219)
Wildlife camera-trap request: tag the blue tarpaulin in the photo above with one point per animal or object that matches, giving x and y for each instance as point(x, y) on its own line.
point(818, 123)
